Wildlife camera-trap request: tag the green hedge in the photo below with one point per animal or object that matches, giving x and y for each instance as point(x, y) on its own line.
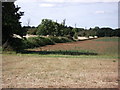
point(14, 44)
point(33, 42)
point(56, 39)
point(65, 39)
point(60, 39)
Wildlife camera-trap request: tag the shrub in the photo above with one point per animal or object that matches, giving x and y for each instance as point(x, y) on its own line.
point(47, 41)
point(65, 39)
point(14, 44)
point(32, 31)
point(75, 36)
point(33, 42)
point(56, 39)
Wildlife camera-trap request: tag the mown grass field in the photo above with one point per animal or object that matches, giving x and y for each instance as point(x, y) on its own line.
point(45, 68)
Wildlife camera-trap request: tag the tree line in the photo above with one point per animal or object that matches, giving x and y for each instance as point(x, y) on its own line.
point(52, 28)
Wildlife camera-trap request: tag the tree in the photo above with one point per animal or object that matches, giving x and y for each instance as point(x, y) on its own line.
point(10, 23)
point(117, 32)
point(47, 27)
point(106, 32)
point(57, 29)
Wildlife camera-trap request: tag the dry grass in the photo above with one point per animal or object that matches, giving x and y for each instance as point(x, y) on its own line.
point(40, 71)
point(23, 71)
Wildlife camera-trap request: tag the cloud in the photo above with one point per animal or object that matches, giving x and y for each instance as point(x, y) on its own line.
point(99, 12)
point(46, 5)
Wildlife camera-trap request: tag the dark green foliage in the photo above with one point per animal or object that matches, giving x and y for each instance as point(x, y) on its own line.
point(62, 52)
point(37, 42)
point(47, 41)
point(33, 42)
point(100, 32)
point(107, 32)
point(65, 39)
point(15, 44)
point(46, 27)
point(49, 27)
point(56, 39)
point(30, 30)
point(60, 39)
point(11, 25)
point(10, 20)
point(76, 36)
point(117, 32)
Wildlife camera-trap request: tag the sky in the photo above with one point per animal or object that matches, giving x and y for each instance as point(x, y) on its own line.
point(83, 13)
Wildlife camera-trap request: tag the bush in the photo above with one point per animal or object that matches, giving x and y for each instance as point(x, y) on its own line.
point(56, 39)
point(47, 41)
point(75, 36)
point(32, 31)
point(33, 42)
point(65, 39)
point(13, 44)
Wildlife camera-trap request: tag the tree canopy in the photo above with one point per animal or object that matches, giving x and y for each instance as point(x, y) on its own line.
point(49, 27)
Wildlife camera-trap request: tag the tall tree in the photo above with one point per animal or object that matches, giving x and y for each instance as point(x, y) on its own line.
point(10, 22)
point(47, 27)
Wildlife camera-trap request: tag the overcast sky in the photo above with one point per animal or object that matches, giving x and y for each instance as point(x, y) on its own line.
point(102, 13)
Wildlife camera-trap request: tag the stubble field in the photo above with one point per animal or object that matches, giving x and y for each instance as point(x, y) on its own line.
point(64, 71)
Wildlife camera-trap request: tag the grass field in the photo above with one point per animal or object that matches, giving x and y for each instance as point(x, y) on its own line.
point(107, 46)
point(43, 68)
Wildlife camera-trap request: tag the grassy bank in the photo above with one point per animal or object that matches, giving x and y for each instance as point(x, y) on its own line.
point(34, 42)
